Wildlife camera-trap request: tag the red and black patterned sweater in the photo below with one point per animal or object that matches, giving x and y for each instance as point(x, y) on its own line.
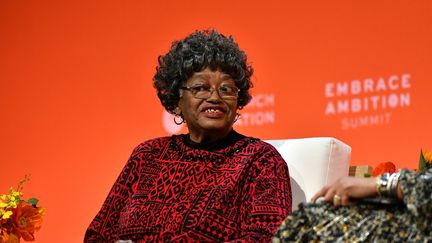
point(170, 191)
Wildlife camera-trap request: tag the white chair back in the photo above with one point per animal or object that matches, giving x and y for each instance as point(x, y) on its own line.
point(313, 163)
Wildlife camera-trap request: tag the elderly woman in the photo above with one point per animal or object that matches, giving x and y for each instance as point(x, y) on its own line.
point(390, 208)
point(212, 184)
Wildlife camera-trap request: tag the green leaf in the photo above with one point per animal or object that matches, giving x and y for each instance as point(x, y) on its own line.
point(422, 162)
point(33, 201)
point(366, 175)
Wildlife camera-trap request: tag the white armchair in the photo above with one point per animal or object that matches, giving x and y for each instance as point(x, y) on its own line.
point(313, 163)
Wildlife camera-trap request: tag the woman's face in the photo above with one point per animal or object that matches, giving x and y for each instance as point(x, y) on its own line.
point(208, 117)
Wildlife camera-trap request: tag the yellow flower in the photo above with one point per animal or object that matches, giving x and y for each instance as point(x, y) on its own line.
point(6, 214)
point(3, 205)
point(10, 200)
point(428, 157)
point(41, 210)
point(16, 194)
point(13, 204)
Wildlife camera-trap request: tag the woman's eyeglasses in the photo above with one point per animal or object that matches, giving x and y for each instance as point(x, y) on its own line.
point(205, 91)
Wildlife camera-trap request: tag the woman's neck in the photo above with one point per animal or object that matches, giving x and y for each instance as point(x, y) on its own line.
point(208, 137)
point(230, 139)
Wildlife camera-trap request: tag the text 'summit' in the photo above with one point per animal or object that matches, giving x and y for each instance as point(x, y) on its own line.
point(369, 101)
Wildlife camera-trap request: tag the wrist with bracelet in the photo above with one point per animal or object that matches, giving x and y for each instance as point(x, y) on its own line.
point(386, 185)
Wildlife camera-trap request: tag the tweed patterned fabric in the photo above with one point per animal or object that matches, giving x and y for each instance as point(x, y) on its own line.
point(407, 221)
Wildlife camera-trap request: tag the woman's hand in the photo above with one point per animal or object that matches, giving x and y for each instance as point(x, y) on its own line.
point(347, 189)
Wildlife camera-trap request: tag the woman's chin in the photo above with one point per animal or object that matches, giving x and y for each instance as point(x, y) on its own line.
point(216, 126)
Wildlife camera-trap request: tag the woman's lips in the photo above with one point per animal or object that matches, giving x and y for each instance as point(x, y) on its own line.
point(213, 112)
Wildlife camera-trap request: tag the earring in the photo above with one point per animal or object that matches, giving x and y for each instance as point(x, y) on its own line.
point(178, 122)
point(238, 116)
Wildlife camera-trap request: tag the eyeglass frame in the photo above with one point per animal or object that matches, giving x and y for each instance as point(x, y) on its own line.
point(211, 90)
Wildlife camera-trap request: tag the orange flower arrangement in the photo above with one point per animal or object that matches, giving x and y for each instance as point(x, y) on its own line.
point(19, 218)
point(384, 167)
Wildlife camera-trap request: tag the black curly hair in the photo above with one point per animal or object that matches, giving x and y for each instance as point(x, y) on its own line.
point(199, 50)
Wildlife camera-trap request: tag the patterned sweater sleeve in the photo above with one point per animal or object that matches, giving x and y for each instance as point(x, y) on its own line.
point(270, 197)
point(104, 225)
point(417, 195)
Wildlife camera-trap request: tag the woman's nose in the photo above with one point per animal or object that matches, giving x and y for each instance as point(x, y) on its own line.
point(214, 94)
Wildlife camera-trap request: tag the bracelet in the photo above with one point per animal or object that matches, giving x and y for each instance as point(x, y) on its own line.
point(381, 184)
point(394, 180)
point(386, 184)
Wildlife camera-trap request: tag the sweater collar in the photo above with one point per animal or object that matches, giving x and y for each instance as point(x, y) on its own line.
point(222, 143)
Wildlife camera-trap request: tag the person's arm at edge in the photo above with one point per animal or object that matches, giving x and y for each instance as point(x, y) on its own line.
point(110, 212)
point(270, 168)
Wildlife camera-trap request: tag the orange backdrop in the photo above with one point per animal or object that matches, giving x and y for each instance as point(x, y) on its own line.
point(77, 96)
